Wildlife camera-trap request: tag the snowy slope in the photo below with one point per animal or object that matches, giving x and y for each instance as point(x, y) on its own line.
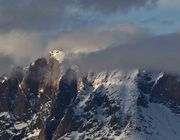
point(159, 123)
point(114, 105)
point(135, 122)
point(106, 96)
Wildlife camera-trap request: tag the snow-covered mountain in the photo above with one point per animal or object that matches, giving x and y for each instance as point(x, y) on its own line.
point(42, 102)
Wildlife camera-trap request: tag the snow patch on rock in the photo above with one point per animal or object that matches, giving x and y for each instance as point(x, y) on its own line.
point(57, 55)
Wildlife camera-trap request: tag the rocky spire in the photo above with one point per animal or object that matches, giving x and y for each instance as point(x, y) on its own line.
point(56, 58)
point(67, 94)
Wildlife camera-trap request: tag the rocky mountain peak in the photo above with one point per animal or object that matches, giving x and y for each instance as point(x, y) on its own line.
point(44, 103)
point(57, 55)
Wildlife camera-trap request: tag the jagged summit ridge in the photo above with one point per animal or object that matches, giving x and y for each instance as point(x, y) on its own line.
point(45, 104)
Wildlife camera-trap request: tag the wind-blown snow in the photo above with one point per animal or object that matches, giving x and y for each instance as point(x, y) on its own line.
point(57, 55)
point(117, 89)
point(155, 122)
point(121, 90)
point(20, 126)
point(32, 135)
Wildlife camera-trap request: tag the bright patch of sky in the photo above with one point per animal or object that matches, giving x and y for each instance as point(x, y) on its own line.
point(163, 19)
point(160, 20)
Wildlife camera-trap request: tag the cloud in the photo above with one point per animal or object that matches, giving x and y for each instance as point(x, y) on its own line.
point(107, 6)
point(6, 63)
point(139, 49)
point(47, 15)
point(85, 40)
point(121, 46)
point(24, 47)
point(32, 15)
point(29, 29)
point(156, 20)
point(169, 4)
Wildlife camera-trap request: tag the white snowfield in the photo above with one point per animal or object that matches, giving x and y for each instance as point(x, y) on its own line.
point(156, 122)
point(160, 124)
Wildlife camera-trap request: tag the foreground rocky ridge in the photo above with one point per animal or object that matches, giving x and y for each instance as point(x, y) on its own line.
point(41, 102)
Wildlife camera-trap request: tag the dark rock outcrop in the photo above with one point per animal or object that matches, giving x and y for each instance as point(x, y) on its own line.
point(9, 88)
point(67, 94)
point(28, 96)
point(165, 90)
point(36, 75)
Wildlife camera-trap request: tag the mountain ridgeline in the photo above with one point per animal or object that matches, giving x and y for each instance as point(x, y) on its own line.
point(44, 102)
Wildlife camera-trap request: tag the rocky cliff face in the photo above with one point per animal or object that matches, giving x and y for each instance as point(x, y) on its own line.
point(42, 102)
point(27, 96)
point(66, 95)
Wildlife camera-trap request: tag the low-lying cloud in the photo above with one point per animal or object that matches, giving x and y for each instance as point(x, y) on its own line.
point(21, 45)
point(122, 46)
point(86, 40)
point(159, 59)
point(6, 63)
point(134, 48)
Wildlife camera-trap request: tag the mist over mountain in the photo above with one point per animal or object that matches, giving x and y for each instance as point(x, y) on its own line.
point(46, 101)
point(119, 47)
point(89, 69)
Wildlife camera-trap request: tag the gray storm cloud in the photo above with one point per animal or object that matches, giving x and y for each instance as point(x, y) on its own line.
point(143, 51)
point(48, 15)
point(19, 48)
point(6, 63)
point(26, 27)
point(30, 29)
point(110, 6)
point(97, 49)
point(158, 59)
point(21, 45)
point(85, 40)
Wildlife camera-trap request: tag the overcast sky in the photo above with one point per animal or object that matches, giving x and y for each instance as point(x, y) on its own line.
point(126, 33)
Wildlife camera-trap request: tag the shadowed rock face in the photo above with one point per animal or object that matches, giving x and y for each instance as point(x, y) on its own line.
point(67, 94)
point(35, 78)
point(13, 85)
point(36, 75)
point(18, 91)
point(165, 90)
point(9, 89)
point(168, 86)
point(28, 95)
point(4, 93)
point(21, 105)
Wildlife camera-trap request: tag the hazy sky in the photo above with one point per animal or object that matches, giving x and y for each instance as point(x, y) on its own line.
point(125, 33)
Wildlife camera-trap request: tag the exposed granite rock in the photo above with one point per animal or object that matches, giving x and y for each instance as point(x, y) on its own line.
point(67, 93)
